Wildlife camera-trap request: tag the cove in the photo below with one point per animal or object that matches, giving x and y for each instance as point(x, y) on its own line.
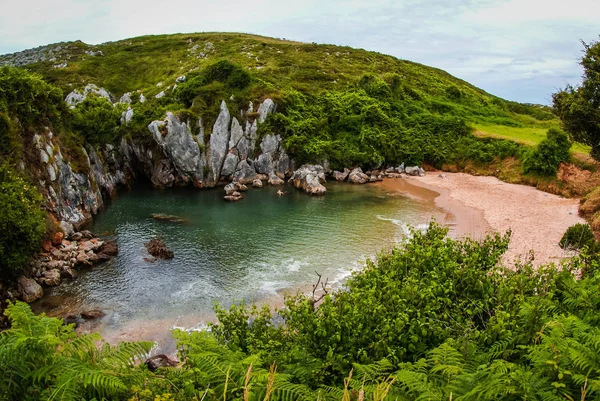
point(252, 250)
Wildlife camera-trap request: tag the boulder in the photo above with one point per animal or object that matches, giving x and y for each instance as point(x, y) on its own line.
point(92, 314)
point(357, 176)
point(29, 289)
point(57, 238)
point(157, 248)
point(275, 180)
point(244, 172)
point(160, 361)
point(257, 183)
point(341, 176)
point(400, 169)
point(67, 272)
point(229, 188)
point(414, 171)
point(309, 178)
point(51, 277)
point(109, 248)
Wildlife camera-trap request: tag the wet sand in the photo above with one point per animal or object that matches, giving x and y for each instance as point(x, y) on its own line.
point(477, 204)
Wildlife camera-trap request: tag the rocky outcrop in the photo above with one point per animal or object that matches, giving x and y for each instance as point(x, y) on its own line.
point(181, 147)
point(61, 261)
point(177, 156)
point(310, 179)
point(219, 141)
point(357, 176)
point(78, 96)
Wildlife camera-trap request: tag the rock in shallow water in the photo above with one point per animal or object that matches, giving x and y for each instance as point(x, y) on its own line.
point(157, 248)
point(92, 314)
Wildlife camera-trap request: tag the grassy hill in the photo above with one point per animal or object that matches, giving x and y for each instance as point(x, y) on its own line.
point(143, 62)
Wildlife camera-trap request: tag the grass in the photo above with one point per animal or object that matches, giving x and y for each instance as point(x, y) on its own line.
point(526, 135)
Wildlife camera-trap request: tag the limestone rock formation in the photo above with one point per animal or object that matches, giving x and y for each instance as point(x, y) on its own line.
point(78, 96)
point(219, 141)
point(309, 178)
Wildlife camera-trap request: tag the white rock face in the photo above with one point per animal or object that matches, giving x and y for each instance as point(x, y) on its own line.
point(219, 141)
point(126, 116)
point(175, 139)
point(126, 98)
point(267, 107)
point(77, 96)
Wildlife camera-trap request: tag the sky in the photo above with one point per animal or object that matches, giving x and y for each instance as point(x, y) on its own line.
point(522, 50)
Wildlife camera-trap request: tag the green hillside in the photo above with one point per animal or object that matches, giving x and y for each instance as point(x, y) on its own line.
point(349, 106)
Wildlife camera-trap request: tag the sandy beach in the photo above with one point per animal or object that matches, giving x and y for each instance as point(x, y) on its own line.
point(476, 205)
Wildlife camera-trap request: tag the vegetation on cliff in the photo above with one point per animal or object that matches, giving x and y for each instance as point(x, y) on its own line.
point(444, 321)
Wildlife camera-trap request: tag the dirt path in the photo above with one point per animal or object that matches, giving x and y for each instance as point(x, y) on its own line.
point(537, 219)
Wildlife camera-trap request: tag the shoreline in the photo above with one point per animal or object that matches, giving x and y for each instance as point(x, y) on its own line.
point(537, 219)
point(470, 206)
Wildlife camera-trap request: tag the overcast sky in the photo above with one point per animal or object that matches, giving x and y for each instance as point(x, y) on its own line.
point(521, 50)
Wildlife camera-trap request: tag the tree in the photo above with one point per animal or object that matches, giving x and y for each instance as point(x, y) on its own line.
point(579, 108)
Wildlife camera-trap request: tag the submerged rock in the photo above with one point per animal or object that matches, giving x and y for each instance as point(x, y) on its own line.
point(168, 217)
point(92, 314)
point(309, 178)
point(157, 248)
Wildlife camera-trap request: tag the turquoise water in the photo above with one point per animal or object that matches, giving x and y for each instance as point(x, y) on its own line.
point(251, 250)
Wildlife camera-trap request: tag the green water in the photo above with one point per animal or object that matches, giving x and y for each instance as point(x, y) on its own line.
point(251, 250)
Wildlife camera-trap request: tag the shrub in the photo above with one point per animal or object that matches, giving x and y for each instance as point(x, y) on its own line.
point(548, 155)
point(225, 77)
point(577, 237)
point(96, 120)
point(21, 221)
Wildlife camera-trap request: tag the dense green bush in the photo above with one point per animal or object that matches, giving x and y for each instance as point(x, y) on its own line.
point(214, 80)
point(96, 120)
point(434, 319)
point(21, 221)
point(30, 97)
point(578, 236)
point(548, 155)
